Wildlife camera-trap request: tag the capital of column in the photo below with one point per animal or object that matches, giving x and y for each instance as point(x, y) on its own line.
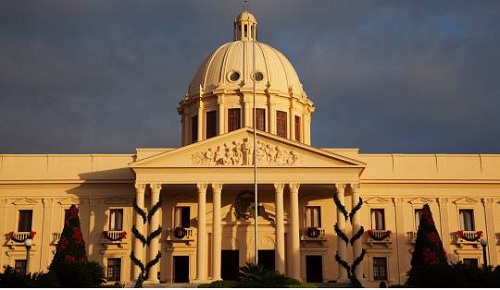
point(355, 187)
point(488, 202)
point(279, 187)
point(340, 187)
point(443, 201)
point(294, 187)
point(397, 201)
point(155, 187)
point(202, 187)
point(140, 187)
point(217, 187)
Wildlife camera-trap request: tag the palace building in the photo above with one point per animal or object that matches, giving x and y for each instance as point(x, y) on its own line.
point(195, 204)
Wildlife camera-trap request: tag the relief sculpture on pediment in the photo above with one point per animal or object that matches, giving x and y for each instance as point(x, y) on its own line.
point(241, 153)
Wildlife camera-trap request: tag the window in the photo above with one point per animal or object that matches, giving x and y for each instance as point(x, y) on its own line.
point(25, 219)
point(113, 270)
point(182, 217)
point(211, 124)
point(261, 119)
point(233, 119)
point(297, 128)
point(471, 262)
point(418, 216)
point(20, 267)
point(281, 127)
point(194, 129)
point(116, 219)
point(378, 219)
point(379, 268)
point(467, 219)
point(312, 216)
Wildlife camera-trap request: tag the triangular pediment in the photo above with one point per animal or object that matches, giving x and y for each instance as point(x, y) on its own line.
point(235, 149)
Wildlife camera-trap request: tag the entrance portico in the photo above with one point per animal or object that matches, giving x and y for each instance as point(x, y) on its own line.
point(287, 171)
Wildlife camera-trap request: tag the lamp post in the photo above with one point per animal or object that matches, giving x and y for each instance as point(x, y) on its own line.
point(27, 243)
point(484, 243)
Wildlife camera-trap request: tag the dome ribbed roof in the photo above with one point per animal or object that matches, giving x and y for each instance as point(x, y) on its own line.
point(223, 66)
point(230, 67)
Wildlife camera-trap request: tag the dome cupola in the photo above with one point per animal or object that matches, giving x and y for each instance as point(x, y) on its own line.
point(220, 96)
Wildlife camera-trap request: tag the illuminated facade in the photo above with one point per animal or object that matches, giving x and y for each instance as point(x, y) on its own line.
point(206, 191)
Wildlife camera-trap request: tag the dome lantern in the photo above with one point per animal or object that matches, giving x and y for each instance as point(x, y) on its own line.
point(245, 26)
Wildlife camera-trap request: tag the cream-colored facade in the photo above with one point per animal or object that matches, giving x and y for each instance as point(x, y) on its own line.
point(206, 189)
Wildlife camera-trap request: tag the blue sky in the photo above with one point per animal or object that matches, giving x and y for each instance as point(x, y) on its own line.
point(385, 76)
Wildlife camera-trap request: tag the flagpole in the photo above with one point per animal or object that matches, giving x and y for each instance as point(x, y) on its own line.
point(256, 193)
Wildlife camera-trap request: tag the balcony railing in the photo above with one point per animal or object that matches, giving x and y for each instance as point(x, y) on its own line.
point(312, 234)
point(378, 237)
point(55, 238)
point(17, 239)
point(412, 237)
point(114, 236)
point(468, 237)
point(179, 235)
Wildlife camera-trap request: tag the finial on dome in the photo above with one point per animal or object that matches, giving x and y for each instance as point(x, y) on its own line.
point(245, 25)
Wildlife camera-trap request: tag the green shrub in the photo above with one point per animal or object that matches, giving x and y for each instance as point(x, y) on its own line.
point(224, 284)
point(10, 279)
point(78, 275)
point(303, 285)
point(257, 276)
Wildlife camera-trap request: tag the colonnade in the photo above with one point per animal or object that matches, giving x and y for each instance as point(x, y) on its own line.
point(202, 237)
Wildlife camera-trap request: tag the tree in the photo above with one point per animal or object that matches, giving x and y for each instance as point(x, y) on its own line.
point(70, 262)
point(429, 264)
point(71, 246)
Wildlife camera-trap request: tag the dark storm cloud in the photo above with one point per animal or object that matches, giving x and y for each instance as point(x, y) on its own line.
point(385, 76)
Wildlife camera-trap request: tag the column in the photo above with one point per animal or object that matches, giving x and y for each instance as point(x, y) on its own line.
point(48, 217)
point(280, 228)
point(201, 117)
point(139, 225)
point(153, 225)
point(356, 225)
point(217, 231)
point(490, 230)
point(201, 239)
point(272, 118)
point(400, 240)
point(341, 245)
point(247, 111)
point(294, 233)
point(445, 225)
point(221, 115)
point(291, 120)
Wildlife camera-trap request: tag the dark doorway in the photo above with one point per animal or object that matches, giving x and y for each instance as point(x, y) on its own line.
point(314, 268)
point(181, 269)
point(230, 263)
point(266, 258)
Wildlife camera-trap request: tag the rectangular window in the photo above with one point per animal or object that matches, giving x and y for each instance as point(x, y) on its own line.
point(379, 268)
point(182, 217)
point(116, 219)
point(378, 219)
point(281, 128)
point(261, 119)
point(211, 124)
point(298, 128)
point(114, 269)
point(194, 129)
point(233, 119)
point(467, 219)
point(20, 267)
point(418, 216)
point(25, 220)
point(312, 216)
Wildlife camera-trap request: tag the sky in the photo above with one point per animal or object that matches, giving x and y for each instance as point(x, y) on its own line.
point(385, 76)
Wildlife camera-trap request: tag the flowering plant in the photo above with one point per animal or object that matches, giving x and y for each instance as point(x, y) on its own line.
point(476, 237)
point(12, 236)
point(119, 237)
point(313, 232)
point(385, 235)
point(180, 232)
